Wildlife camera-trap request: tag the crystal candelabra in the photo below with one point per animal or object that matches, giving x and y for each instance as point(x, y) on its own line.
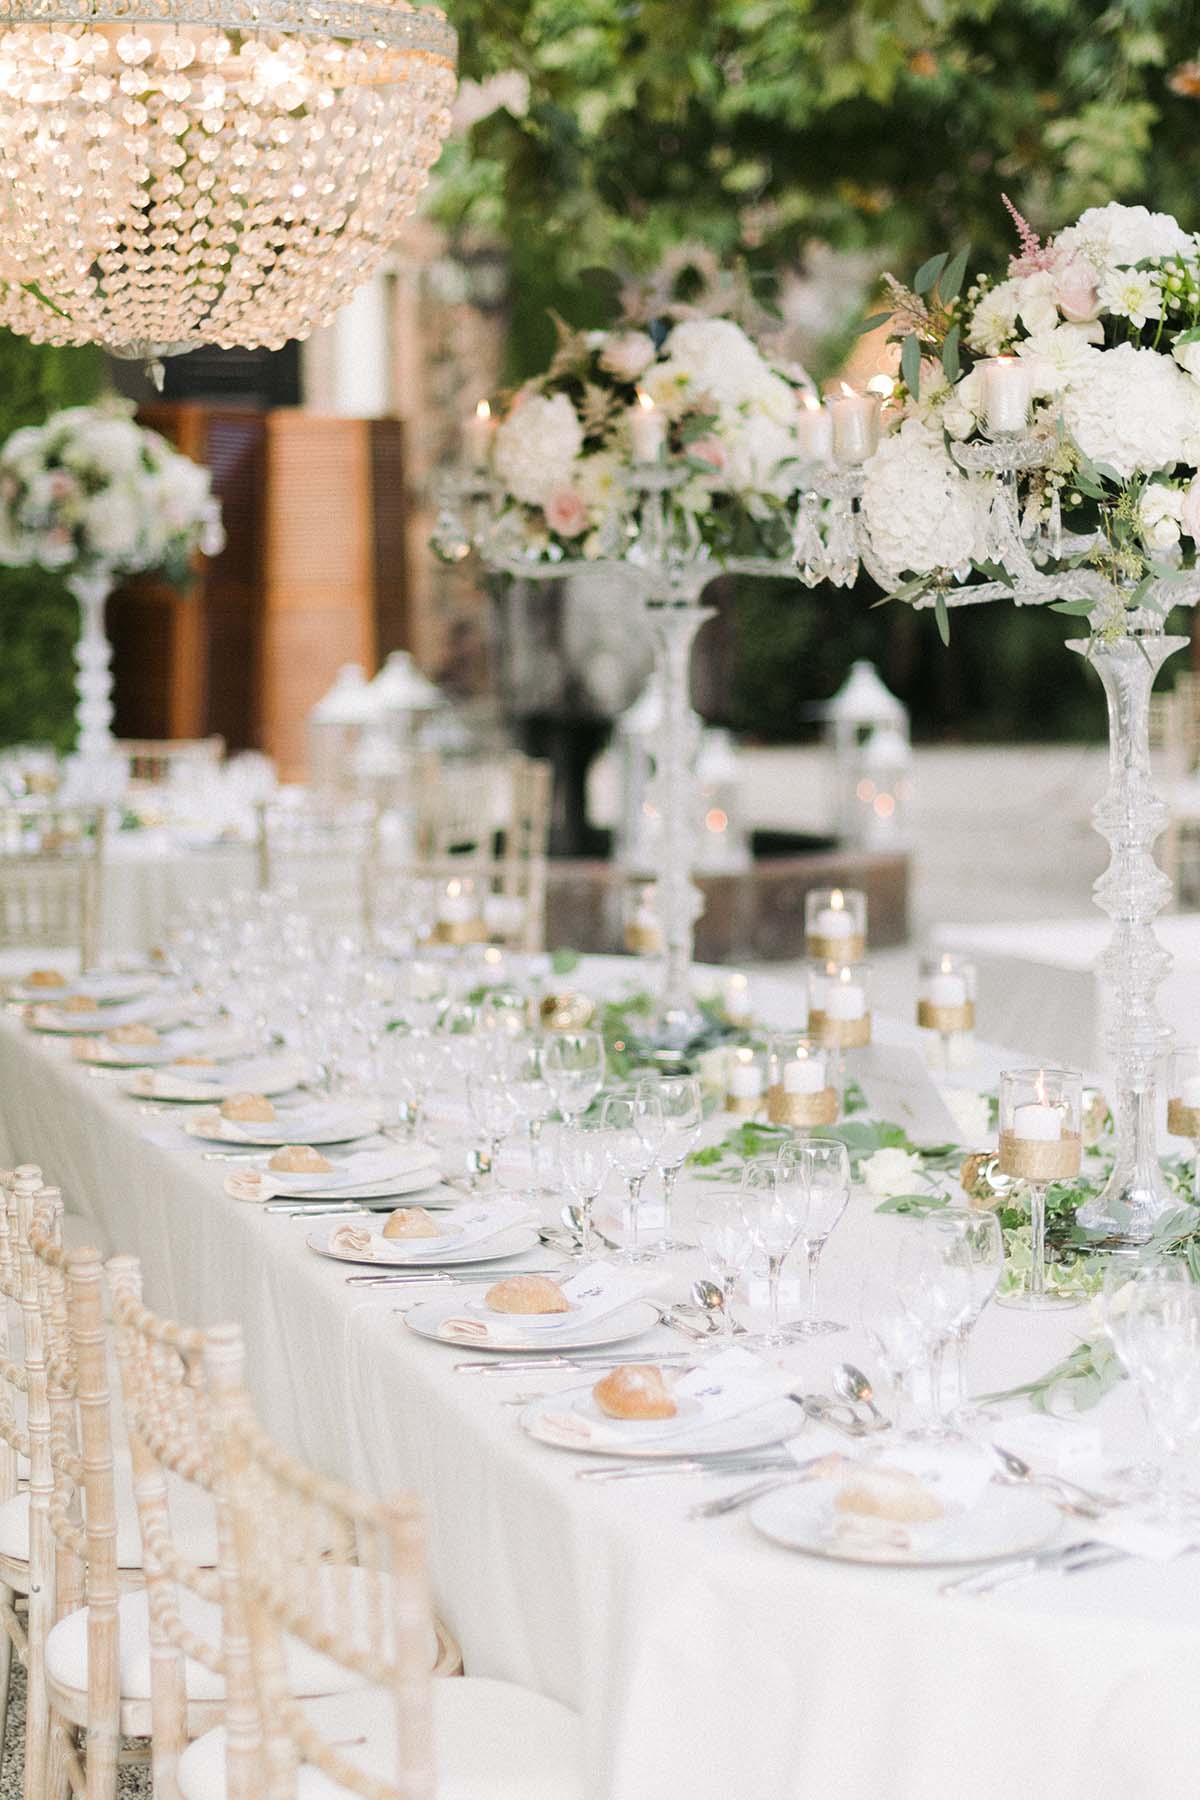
point(95, 772)
point(1127, 647)
point(667, 567)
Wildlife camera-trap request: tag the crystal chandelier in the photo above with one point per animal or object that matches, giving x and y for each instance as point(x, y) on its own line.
point(177, 173)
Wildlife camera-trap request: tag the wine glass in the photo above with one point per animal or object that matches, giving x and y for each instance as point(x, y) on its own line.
point(1123, 1294)
point(414, 1064)
point(683, 1115)
point(583, 1162)
point(976, 1241)
point(1157, 1337)
point(423, 994)
point(633, 1126)
point(574, 1069)
point(818, 1169)
point(493, 1107)
point(727, 1242)
point(523, 1063)
point(898, 1341)
point(774, 1216)
point(937, 1290)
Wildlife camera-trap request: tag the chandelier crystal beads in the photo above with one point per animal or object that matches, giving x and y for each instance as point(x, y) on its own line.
point(184, 172)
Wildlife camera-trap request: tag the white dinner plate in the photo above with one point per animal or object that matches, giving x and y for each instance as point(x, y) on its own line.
point(222, 1042)
point(514, 1240)
point(421, 1186)
point(158, 1010)
point(111, 987)
point(632, 1320)
point(190, 1086)
point(768, 1423)
point(330, 1125)
point(1003, 1522)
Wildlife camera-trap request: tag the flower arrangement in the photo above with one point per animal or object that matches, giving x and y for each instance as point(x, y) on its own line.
point(696, 396)
point(91, 491)
point(1098, 332)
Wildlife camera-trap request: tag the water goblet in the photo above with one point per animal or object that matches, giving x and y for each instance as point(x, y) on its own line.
point(818, 1170)
point(937, 1290)
point(1156, 1335)
point(524, 1067)
point(574, 1070)
point(975, 1240)
point(774, 1216)
point(632, 1122)
point(423, 994)
point(493, 1107)
point(727, 1242)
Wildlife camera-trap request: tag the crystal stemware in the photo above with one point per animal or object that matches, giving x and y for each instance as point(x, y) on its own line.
point(975, 1240)
point(1156, 1334)
point(682, 1107)
point(493, 1108)
point(727, 1243)
point(936, 1289)
point(817, 1171)
point(633, 1125)
point(574, 1068)
point(583, 1162)
point(774, 1215)
point(525, 1071)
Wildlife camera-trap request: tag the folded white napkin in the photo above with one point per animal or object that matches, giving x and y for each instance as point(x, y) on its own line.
point(594, 1292)
point(462, 1228)
point(731, 1383)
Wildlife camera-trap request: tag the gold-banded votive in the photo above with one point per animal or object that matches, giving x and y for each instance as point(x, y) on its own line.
point(460, 931)
point(840, 1034)
point(643, 940)
point(982, 1181)
point(1028, 1159)
point(946, 1019)
point(835, 949)
point(1183, 1121)
point(745, 1105)
point(783, 1108)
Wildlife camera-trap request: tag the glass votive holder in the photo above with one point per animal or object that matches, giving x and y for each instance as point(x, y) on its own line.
point(946, 1007)
point(643, 931)
point(803, 1082)
point(745, 1079)
point(835, 924)
point(1183, 1103)
point(839, 1005)
point(1041, 1140)
point(458, 912)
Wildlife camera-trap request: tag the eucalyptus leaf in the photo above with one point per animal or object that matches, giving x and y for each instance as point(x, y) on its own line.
point(941, 613)
point(929, 271)
point(950, 358)
point(910, 364)
point(952, 278)
point(872, 323)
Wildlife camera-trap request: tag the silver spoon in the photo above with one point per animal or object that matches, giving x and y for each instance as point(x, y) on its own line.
point(709, 1297)
point(849, 1383)
point(572, 1217)
point(1081, 1498)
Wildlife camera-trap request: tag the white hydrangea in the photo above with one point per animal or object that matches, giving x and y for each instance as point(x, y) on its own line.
point(995, 319)
point(113, 524)
point(890, 1172)
point(715, 357)
point(761, 457)
point(1115, 236)
point(536, 447)
point(1132, 409)
point(921, 510)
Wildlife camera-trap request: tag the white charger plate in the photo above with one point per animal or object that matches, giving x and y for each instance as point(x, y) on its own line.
point(222, 1043)
point(187, 1087)
point(107, 988)
point(632, 1320)
point(514, 1240)
point(770, 1423)
point(1004, 1522)
point(340, 1127)
point(157, 1010)
point(241, 1184)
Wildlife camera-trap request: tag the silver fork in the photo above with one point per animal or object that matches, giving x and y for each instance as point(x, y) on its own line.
point(813, 1470)
point(1063, 1559)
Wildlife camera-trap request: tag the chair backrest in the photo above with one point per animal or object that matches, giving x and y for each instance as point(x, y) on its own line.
point(169, 1422)
point(50, 863)
point(72, 1496)
point(321, 853)
point(14, 1382)
point(153, 761)
point(489, 818)
point(296, 1535)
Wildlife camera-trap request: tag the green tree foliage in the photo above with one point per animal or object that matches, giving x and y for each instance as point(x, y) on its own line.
point(38, 618)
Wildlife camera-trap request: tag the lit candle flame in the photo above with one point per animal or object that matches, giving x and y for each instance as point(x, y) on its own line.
point(644, 400)
point(848, 392)
point(483, 410)
point(811, 403)
point(837, 900)
point(883, 385)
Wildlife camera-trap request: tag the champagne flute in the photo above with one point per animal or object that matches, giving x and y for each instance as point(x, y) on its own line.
point(774, 1216)
point(633, 1127)
point(574, 1069)
point(818, 1168)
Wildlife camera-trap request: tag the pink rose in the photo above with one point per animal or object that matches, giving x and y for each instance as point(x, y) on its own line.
point(1076, 291)
point(566, 513)
point(627, 354)
point(1189, 517)
point(709, 450)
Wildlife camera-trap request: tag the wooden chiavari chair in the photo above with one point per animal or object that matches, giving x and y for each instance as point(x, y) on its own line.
point(169, 1421)
point(17, 1190)
point(51, 860)
point(399, 1736)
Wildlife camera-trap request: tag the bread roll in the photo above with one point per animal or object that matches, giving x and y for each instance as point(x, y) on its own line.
point(132, 1034)
point(45, 978)
point(527, 1294)
point(253, 1108)
point(80, 1003)
point(299, 1159)
point(636, 1391)
point(890, 1494)
point(412, 1222)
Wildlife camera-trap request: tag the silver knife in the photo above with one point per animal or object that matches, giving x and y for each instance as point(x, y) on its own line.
point(686, 1466)
point(1064, 1559)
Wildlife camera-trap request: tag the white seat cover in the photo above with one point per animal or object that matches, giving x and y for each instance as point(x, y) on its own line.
point(309, 1672)
point(493, 1741)
point(193, 1522)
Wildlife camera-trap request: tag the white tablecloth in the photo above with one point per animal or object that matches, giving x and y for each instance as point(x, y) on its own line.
point(1038, 985)
point(708, 1665)
point(149, 877)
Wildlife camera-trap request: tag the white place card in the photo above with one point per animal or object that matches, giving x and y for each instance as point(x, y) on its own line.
point(897, 1087)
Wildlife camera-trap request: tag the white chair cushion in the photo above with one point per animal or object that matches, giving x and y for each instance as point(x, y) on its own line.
point(308, 1671)
point(193, 1522)
point(492, 1741)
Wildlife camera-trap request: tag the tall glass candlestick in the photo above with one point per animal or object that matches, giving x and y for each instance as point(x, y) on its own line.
point(1040, 1141)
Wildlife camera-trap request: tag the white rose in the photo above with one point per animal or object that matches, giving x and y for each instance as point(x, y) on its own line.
point(890, 1172)
point(1188, 356)
point(627, 354)
point(536, 447)
point(1056, 357)
point(1037, 308)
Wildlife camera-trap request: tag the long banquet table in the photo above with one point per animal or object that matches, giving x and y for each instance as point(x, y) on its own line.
point(708, 1664)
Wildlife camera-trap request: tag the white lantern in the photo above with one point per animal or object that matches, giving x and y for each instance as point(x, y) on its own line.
point(337, 725)
point(724, 840)
point(861, 707)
